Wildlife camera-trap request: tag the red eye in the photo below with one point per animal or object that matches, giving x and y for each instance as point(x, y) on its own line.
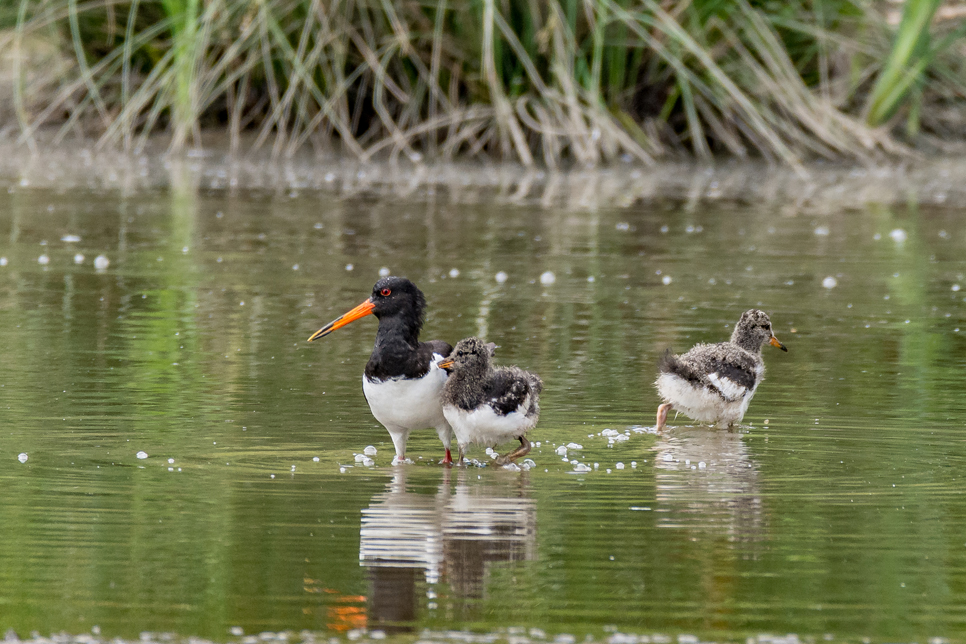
point(385, 292)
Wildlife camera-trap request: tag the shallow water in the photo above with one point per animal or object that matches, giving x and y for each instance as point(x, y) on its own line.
point(836, 512)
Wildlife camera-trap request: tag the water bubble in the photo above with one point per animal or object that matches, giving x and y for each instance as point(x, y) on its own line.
point(898, 235)
point(666, 280)
point(665, 228)
point(142, 455)
point(830, 282)
point(619, 466)
point(101, 262)
point(295, 267)
point(581, 467)
point(43, 260)
point(22, 457)
point(623, 226)
point(349, 267)
point(590, 278)
point(315, 459)
point(500, 277)
point(547, 278)
point(3, 261)
point(79, 258)
point(384, 272)
point(454, 272)
point(70, 239)
point(955, 287)
point(822, 231)
point(562, 450)
point(370, 450)
point(574, 446)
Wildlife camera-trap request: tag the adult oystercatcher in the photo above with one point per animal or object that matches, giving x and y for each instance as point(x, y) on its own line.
point(402, 381)
point(713, 383)
point(488, 405)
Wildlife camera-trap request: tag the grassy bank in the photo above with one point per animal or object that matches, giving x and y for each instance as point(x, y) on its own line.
point(589, 81)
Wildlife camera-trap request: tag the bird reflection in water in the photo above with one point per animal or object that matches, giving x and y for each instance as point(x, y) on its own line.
point(707, 484)
point(447, 540)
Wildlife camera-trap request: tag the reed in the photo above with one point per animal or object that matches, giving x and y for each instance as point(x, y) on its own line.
point(564, 81)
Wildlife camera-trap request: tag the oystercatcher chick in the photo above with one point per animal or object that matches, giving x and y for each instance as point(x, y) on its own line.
point(489, 405)
point(713, 383)
point(402, 381)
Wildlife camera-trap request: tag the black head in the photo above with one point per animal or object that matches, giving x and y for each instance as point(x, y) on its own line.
point(754, 331)
point(395, 299)
point(398, 296)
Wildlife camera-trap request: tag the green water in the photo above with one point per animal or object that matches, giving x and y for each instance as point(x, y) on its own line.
point(836, 512)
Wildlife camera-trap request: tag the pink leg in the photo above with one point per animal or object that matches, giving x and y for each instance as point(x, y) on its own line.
point(662, 411)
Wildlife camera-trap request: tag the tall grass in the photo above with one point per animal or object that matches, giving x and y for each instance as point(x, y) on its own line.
point(585, 81)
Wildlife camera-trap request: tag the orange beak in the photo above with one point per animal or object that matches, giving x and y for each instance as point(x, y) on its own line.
point(360, 311)
point(775, 343)
point(445, 364)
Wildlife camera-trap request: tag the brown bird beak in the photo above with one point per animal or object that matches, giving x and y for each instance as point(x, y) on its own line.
point(445, 364)
point(775, 343)
point(360, 311)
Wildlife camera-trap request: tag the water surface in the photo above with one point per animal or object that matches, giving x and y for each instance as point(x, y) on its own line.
point(176, 458)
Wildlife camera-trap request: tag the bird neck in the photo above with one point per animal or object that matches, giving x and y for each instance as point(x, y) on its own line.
point(468, 384)
point(396, 330)
point(746, 341)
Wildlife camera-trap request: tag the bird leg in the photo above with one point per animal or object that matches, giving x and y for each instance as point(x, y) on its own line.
point(523, 450)
point(460, 461)
point(448, 459)
point(662, 411)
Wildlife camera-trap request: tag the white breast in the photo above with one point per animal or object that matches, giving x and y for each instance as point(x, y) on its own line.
point(483, 426)
point(408, 403)
point(705, 405)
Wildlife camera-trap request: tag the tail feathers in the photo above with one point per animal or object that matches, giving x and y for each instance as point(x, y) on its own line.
point(670, 363)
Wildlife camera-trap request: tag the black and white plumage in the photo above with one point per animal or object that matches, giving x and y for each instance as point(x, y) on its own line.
point(714, 383)
point(489, 405)
point(402, 381)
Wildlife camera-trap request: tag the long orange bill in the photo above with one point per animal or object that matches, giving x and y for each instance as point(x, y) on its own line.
point(775, 343)
point(360, 311)
point(445, 364)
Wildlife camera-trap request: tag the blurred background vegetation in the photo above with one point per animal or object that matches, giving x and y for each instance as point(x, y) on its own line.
point(564, 81)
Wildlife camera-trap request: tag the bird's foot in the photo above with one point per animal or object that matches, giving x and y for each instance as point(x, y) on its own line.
point(519, 452)
point(662, 411)
point(448, 459)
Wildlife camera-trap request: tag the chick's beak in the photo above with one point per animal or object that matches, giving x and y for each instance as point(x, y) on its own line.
point(775, 343)
point(360, 311)
point(446, 364)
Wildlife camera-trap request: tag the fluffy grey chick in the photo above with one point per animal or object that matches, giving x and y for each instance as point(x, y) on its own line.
point(713, 383)
point(488, 405)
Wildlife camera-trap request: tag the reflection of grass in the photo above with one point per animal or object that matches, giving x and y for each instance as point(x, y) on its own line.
point(589, 81)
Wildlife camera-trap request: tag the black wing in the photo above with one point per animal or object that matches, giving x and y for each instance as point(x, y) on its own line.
point(511, 390)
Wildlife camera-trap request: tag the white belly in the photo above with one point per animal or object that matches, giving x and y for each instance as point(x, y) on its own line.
point(701, 404)
point(408, 404)
point(483, 426)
